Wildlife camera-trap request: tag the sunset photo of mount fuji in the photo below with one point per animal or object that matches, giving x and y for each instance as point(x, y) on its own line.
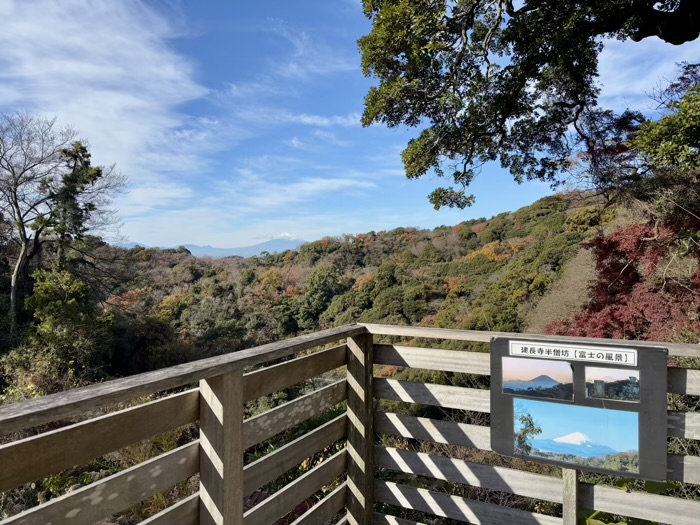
point(538, 378)
point(593, 437)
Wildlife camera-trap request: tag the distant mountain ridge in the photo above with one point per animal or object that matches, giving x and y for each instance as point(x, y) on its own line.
point(271, 246)
point(577, 444)
point(543, 381)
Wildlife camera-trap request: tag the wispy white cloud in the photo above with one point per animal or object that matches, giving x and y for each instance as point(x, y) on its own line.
point(329, 137)
point(258, 194)
point(309, 57)
point(254, 89)
point(631, 70)
point(103, 66)
point(107, 69)
point(270, 116)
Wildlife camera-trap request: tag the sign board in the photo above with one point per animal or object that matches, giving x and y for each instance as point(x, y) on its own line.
point(600, 408)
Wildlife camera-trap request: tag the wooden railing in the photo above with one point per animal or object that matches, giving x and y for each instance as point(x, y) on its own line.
point(353, 477)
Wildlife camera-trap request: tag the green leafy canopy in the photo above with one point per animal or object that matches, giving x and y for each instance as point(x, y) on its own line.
point(488, 81)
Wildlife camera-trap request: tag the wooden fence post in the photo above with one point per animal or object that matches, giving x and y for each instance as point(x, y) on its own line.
point(221, 449)
point(570, 507)
point(360, 430)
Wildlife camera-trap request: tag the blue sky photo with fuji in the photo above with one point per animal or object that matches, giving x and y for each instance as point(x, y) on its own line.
point(574, 425)
point(238, 122)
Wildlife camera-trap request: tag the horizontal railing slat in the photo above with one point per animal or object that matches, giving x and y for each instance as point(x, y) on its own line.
point(325, 509)
point(427, 429)
point(431, 394)
point(184, 512)
point(277, 377)
point(276, 463)
point(683, 468)
point(684, 424)
point(641, 505)
point(282, 417)
point(17, 416)
point(117, 492)
point(684, 381)
point(455, 507)
point(433, 359)
point(38, 456)
point(502, 479)
point(284, 500)
point(479, 336)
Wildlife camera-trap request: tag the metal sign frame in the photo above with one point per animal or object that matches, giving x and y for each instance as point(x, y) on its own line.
point(648, 364)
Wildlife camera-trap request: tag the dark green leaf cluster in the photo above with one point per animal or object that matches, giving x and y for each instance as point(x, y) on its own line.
point(486, 81)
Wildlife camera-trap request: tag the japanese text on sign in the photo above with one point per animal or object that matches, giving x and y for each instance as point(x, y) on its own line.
point(593, 354)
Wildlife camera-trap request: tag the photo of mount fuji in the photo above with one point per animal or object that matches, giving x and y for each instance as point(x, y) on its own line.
point(592, 437)
point(538, 378)
point(576, 444)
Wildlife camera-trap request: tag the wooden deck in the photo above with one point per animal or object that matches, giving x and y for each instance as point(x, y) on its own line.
point(353, 476)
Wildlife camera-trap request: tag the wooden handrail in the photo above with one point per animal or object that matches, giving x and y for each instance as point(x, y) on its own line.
point(27, 414)
point(479, 336)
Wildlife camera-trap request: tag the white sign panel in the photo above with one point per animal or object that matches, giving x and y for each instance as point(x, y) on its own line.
point(591, 354)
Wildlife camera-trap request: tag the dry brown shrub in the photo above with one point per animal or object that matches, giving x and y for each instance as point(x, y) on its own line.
point(480, 227)
point(567, 296)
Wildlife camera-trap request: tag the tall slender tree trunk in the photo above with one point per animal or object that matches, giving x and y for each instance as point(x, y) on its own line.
point(17, 286)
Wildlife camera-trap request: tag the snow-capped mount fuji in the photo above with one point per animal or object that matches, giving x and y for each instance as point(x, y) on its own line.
point(575, 438)
point(576, 444)
point(543, 381)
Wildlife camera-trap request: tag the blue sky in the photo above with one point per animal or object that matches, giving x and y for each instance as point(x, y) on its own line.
point(614, 428)
point(238, 122)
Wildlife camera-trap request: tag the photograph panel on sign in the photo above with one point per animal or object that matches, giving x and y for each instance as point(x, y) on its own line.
point(613, 383)
point(593, 437)
point(538, 378)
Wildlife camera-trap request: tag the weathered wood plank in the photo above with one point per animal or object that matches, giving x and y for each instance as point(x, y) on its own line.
point(325, 509)
point(427, 429)
point(431, 394)
point(360, 429)
point(184, 512)
point(221, 442)
point(282, 417)
point(385, 519)
point(478, 336)
point(18, 416)
point(275, 464)
point(642, 505)
point(684, 381)
point(433, 359)
point(571, 494)
point(39, 456)
point(683, 468)
point(277, 377)
point(115, 493)
point(502, 479)
point(284, 500)
point(684, 424)
point(457, 508)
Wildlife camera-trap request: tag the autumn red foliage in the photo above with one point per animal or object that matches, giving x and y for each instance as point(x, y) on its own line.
point(631, 298)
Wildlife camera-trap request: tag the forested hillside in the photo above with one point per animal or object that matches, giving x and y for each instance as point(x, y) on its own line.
point(156, 308)
point(163, 307)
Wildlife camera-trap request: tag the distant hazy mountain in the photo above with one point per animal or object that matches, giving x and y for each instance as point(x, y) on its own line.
point(578, 444)
point(275, 245)
point(542, 381)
